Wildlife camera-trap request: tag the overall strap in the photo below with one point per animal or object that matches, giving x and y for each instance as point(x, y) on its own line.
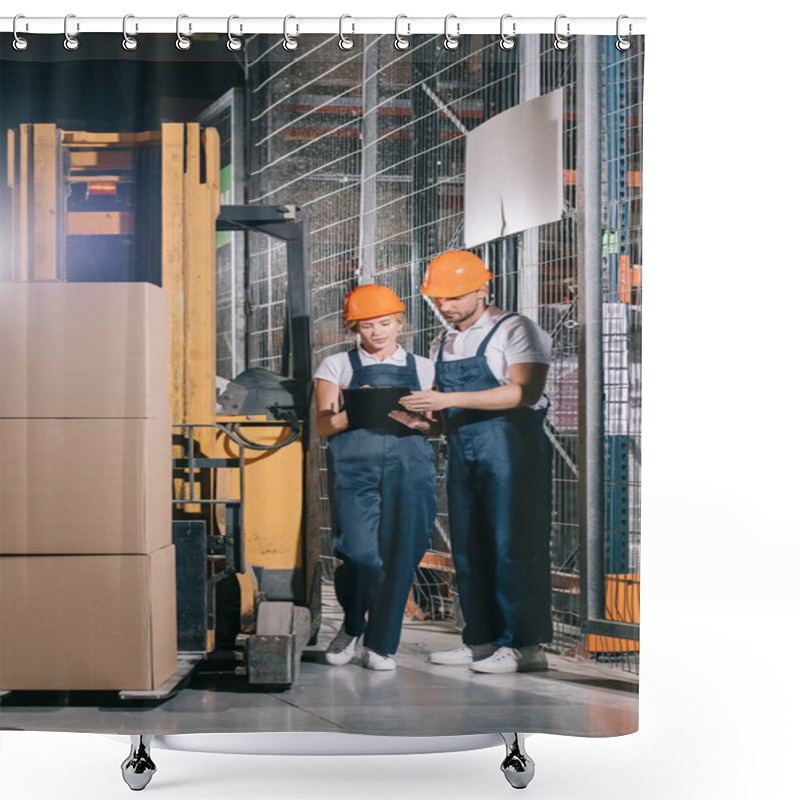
point(355, 359)
point(411, 364)
point(485, 342)
point(440, 354)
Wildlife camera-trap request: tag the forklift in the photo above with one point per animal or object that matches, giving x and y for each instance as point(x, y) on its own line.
point(146, 207)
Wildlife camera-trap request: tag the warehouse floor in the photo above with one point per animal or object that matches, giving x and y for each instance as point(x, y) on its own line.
point(572, 698)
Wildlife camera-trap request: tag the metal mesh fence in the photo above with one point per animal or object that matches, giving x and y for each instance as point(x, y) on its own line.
point(558, 314)
point(371, 144)
point(621, 150)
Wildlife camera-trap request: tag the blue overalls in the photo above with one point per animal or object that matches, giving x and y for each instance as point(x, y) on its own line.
point(499, 505)
point(384, 506)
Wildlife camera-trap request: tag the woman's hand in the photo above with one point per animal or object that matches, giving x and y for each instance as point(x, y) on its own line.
point(340, 422)
point(425, 401)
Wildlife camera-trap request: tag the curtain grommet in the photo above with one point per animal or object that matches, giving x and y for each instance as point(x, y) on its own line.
point(71, 42)
point(451, 42)
point(623, 44)
point(182, 42)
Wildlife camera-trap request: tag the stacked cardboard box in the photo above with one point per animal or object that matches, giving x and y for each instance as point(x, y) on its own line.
point(87, 566)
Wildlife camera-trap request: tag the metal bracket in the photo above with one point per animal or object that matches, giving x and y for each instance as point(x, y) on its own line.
point(272, 655)
point(186, 663)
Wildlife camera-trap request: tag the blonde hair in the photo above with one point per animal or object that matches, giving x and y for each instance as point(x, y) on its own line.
point(352, 324)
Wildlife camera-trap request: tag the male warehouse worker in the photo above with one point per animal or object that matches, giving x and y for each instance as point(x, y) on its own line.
point(491, 367)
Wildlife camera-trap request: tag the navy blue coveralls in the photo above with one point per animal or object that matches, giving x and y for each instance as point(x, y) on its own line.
point(499, 504)
point(384, 506)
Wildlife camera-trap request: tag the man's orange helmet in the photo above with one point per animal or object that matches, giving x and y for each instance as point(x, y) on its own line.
point(454, 273)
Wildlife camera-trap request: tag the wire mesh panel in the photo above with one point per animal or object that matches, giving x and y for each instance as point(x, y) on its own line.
point(371, 143)
point(266, 303)
point(621, 141)
point(558, 314)
point(226, 283)
point(305, 111)
point(621, 76)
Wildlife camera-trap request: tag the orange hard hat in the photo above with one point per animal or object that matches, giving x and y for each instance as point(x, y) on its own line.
point(371, 300)
point(454, 273)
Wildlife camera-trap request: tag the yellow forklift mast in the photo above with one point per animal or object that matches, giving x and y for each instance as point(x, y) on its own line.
point(146, 207)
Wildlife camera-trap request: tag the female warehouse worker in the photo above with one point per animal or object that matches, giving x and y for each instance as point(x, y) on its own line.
point(382, 480)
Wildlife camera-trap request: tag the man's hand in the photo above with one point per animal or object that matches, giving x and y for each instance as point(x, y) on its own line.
point(426, 400)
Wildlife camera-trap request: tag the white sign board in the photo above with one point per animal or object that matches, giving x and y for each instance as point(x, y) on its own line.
point(514, 170)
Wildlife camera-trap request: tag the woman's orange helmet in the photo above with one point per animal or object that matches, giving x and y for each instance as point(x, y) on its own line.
point(454, 273)
point(371, 300)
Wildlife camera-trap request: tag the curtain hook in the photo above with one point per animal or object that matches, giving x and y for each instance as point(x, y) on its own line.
point(289, 42)
point(182, 42)
point(344, 42)
point(20, 42)
point(129, 42)
point(400, 42)
point(623, 44)
point(451, 42)
point(560, 43)
point(507, 42)
point(234, 44)
point(70, 42)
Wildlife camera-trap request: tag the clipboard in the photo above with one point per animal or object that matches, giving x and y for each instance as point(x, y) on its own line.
point(369, 408)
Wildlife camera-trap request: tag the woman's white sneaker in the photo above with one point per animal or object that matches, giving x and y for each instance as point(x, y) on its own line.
point(463, 655)
point(509, 659)
point(372, 660)
point(341, 649)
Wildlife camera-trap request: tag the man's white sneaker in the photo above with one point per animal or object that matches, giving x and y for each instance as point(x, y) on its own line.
point(341, 649)
point(372, 660)
point(463, 655)
point(508, 659)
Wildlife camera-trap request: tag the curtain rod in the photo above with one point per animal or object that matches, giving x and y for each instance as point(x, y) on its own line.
point(297, 25)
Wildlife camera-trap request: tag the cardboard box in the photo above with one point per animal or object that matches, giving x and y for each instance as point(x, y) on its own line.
point(72, 623)
point(85, 486)
point(84, 350)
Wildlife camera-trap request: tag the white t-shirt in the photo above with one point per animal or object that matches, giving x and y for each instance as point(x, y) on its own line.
point(518, 340)
point(337, 369)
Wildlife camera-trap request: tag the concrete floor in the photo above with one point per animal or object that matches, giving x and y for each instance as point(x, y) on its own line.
point(419, 699)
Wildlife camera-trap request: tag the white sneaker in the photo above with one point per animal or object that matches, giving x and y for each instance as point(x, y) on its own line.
point(341, 649)
point(463, 655)
point(372, 660)
point(508, 659)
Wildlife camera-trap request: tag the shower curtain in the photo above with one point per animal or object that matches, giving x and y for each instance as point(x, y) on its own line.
point(181, 226)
